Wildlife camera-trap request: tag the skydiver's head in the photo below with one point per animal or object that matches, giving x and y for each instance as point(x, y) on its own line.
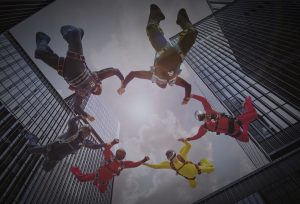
point(97, 90)
point(85, 130)
point(170, 154)
point(120, 154)
point(199, 115)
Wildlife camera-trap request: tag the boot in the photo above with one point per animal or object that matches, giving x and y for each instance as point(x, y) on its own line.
point(42, 38)
point(183, 20)
point(68, 30)
point(156, 15)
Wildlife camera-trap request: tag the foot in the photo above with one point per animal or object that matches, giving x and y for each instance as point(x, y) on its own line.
point(42, 38)
point(183, 19)
point(156, 13)
point(68, 29)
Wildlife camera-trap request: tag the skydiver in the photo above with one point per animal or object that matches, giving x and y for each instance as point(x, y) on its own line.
point(110, 167)
point(73, 67)
point(182, 166)
point(168, 58)
point(221, 123)
point(67, 143)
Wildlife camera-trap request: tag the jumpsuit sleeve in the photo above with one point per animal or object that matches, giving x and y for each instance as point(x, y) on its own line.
point(185, 150)
point(131, 164)
point(91, 145)
point(207, 107)
point(202, 130)
point(77, 105)
point(109, 72)
point(162, 165)
point(136, 74)
point(188, 88)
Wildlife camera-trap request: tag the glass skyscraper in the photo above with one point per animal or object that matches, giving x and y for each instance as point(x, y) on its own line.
point(216, 5)
point(29, 103)
point(14, 11)
point(251, 48)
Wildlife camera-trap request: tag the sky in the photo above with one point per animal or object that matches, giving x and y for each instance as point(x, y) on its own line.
point(151, 119)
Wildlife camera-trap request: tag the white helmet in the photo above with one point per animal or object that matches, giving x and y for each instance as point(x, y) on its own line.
point(199, 113)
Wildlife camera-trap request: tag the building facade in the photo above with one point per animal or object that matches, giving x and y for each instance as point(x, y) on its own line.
point(29, 103)
point(250, 49)
point(216, 5)
point(14, 11)
point(276, 183)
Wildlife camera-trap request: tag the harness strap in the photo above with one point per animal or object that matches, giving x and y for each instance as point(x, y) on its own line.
point(184, 163)
point(61, 63)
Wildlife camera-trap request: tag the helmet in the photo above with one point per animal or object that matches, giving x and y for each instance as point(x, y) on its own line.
point(199, 115)
point(85, 129)
point(120, 154)
point(170, 154)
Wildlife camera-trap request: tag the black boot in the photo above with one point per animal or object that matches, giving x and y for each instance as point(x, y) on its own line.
point(67, 31)
point(183, 19)
point(41, 38)
point(156, 15)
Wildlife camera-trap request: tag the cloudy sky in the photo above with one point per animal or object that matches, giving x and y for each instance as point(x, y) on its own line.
point(151, 118)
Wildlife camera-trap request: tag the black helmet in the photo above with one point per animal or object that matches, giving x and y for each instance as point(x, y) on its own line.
point(170, 154)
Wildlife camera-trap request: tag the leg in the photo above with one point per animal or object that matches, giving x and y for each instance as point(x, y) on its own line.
point(244, 137)
point(154, 32)
point(49, 165)
point(82, 177)
point(101, 185)
point(250, 112)
point(206, 166)
point(44, 52)
point(73, 37)
point(37, 149)
point(188, 35)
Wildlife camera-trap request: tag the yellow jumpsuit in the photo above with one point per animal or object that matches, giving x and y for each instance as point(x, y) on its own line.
point(189, 170)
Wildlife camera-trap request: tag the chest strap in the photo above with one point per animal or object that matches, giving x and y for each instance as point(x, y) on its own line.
point(181, 159)
point(114, 173)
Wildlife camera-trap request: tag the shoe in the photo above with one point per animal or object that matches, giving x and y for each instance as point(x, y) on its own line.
point(183, 19)
point(156, 13)
point(41, 37)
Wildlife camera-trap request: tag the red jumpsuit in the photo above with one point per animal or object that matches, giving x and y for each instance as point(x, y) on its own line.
point(221, 122)
point(111, 167)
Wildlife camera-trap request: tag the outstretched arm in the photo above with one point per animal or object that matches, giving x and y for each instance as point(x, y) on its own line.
point(91, 145)
point(109, 72)
point(207, 107)
point(185, 150)
point(131, 164)
point(188, 88)
point(202, 130)
point(107, 146)
point(134, 74)
point(162, 165)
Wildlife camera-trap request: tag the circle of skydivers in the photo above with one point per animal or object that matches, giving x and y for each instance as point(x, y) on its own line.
point(166, 70)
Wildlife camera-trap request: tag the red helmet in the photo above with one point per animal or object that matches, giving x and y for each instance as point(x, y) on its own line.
point(120, 154)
